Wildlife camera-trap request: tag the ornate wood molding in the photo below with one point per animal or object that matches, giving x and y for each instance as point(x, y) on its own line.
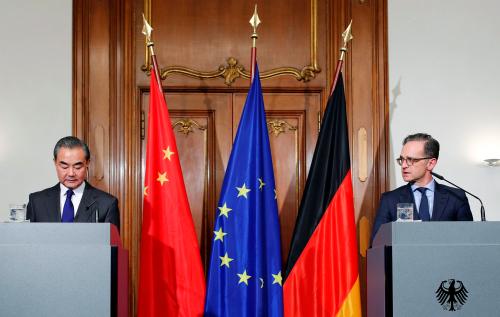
point(186, 126)
point(277, 126)
point(233, 69)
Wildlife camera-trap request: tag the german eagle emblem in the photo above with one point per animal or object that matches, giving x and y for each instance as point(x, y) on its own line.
point(451, 294)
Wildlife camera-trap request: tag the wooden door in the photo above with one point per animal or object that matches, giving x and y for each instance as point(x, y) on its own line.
point(203, 48)
point(205, 125)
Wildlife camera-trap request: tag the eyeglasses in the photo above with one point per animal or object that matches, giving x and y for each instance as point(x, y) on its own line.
point(410, 160)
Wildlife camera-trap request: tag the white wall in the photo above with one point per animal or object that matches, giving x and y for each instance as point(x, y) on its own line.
point(444, 70)
point(444, 67)
point(35, 93)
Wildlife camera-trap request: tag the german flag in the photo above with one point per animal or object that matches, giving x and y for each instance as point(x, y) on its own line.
point(322, 276)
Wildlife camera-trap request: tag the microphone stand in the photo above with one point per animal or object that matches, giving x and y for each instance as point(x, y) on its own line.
point(483, 213)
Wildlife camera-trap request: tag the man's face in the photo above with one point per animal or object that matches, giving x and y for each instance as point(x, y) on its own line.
point(71, 166)
point(420, 171)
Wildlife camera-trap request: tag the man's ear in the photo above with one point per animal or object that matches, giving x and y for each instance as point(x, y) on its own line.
point(431, 164)
point(87, 172)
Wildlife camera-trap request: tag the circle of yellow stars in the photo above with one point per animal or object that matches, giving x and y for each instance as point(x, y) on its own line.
point(220, 234)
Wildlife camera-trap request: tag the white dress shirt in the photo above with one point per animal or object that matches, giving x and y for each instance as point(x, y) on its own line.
point(75, 199)
point(431, 187)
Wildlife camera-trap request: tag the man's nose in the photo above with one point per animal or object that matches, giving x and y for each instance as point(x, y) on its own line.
point(71, 171)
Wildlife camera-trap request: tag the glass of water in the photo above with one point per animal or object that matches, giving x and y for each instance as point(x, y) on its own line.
point(404, 212)
point(17, 212)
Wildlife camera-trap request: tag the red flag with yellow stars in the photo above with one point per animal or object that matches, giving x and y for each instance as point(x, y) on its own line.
point(171, 279)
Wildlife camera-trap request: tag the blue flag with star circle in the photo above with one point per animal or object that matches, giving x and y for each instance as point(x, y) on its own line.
point(244, 277)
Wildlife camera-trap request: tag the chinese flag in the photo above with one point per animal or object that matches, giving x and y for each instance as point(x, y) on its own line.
point(171, 281)
point(322, 271)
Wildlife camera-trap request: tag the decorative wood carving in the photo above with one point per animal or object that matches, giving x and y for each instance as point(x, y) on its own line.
point(185, 125)
point(277, 126)
point(234, 70)
point(362, 155)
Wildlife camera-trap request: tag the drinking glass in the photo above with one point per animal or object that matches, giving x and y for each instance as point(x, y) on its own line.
point(17, 212)
point(404, 212)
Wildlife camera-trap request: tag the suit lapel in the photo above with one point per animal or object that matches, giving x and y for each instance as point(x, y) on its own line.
point(84, 212)
point(53, 207)
point(440, 200)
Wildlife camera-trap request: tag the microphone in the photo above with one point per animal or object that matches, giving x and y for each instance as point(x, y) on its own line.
point(96, 211)
point(483, 216)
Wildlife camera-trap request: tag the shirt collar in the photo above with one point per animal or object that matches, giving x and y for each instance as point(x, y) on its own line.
point(77, 191)
point(431, 186)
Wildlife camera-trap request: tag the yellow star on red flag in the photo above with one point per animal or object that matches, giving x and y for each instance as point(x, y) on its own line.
point(167, 153)
point(162, 178)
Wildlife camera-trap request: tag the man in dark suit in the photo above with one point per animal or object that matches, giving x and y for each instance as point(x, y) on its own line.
point(73, 199)
point(431, 201)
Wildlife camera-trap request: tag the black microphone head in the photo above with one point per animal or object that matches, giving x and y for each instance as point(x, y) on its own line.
point(437, 176)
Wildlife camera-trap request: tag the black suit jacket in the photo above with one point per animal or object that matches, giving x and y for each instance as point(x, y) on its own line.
point(450, 204)
point(44, 206)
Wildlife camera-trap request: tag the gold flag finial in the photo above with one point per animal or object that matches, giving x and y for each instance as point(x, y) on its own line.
point(346, 36)
point(254, 22)
point(146, 30)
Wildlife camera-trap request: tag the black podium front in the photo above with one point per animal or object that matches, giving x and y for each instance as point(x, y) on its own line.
point(55, 269)
point(435, 269)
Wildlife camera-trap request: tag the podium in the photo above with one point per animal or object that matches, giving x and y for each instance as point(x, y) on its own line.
point(55, 269)
point(434, 269)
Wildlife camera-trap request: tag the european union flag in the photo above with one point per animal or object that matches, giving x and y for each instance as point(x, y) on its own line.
point(244, 278)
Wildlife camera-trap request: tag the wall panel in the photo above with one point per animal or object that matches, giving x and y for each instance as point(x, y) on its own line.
point(298, 46)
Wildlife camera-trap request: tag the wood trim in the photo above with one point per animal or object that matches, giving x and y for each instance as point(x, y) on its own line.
point(234, 70)
point(123, 140)
point(80, 66)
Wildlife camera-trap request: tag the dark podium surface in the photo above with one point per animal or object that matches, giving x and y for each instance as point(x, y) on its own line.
point(435, 269)
point(55, 269)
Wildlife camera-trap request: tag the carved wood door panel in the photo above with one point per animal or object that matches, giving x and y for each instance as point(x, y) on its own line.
point(203, 132)
point(205, 125)
point(293, 121)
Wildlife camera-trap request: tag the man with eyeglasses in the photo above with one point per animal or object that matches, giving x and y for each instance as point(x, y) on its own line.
point(431, 201)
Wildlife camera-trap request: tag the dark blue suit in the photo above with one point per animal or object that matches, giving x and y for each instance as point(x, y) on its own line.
point(450, 204)
point(44, 206)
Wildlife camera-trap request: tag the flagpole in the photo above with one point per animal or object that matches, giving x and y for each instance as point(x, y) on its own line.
point(347, 36)
point(146, 30)
point(176, 261)
point(254, 22)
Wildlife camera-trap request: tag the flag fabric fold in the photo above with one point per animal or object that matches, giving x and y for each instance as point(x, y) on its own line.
point(171, 279)
point(322, 276)
point(245, 277)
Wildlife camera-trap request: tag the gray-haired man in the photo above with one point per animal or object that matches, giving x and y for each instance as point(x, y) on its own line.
point(73, 199)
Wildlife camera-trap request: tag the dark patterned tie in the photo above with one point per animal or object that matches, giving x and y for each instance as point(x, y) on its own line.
point(68, 214)
point(423, 209)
